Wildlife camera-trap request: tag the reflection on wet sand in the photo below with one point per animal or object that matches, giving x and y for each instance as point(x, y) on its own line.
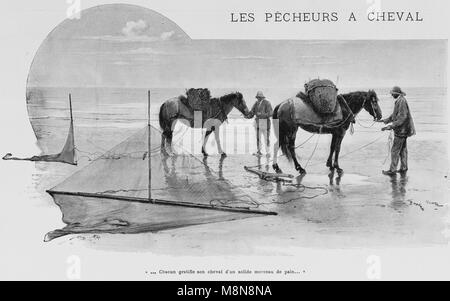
point(190, 179)
point(398, 184)
point(335, 185)
point(208, 170)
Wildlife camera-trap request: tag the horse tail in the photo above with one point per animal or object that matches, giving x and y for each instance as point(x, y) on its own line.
point(282, 131)
point(165, 123)
point(162, 121)
point(284, 139)
point(275, 112)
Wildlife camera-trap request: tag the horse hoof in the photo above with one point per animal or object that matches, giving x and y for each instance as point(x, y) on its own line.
point(301, 170)
point(276, 168)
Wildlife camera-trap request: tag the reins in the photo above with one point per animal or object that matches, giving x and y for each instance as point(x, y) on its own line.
point(373, 110)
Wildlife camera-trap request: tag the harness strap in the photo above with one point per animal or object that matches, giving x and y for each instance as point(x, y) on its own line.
point(347, 107)
point(320, 86)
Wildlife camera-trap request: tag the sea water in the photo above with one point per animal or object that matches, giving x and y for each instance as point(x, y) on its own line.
point(103, 117)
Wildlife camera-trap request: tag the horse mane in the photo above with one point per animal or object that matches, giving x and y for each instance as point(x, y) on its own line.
point(227, 98)
point(352, 96)
point(372, 93)
point(355, 100)
point(359, 95)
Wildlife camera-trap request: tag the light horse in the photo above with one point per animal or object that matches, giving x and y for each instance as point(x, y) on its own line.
point(286, 128)
point(216, 113)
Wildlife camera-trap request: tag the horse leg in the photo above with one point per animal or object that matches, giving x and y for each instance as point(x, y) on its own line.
point(163, 144)
point(275, 166)
point(205, 140)
point(336, 154)
point(219, 146)
point(170, 136)
point(332, 149)
point(168, 141)
point(298, 167)
point(276, 147)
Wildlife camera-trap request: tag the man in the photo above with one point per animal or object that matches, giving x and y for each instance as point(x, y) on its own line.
point(262, 109)
point(402, 123)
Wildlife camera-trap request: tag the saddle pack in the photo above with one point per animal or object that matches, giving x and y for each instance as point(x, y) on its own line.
point(197, 98)
point(322, 95)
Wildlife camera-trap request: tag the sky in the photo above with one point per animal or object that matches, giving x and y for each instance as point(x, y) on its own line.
point(130, 46)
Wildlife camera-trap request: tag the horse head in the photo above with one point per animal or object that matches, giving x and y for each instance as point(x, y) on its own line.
point(371, 105)
point(238, 102)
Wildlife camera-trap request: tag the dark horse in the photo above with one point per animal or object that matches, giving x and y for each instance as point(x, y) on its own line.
point(176, 109)
point(286, 128)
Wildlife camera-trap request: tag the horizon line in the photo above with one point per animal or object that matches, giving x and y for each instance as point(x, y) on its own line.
point(215, 87)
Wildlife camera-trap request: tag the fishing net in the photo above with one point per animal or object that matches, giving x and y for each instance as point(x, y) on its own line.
point(112, 193)
point(124, 171)
point(67, 154)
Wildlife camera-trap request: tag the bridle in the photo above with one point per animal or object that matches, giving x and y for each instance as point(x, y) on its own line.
point(371, 105)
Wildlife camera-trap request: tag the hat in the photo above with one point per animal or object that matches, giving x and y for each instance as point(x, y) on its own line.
point(398, 91)
point(260, 95)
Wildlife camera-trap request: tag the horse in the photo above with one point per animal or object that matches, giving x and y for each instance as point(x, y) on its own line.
point(286, 127)
point(212, 117)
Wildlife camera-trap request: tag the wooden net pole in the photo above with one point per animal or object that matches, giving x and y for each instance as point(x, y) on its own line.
point(149, 136)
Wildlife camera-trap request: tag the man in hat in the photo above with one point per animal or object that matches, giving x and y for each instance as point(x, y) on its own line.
point(262, 110)
point(402, 123)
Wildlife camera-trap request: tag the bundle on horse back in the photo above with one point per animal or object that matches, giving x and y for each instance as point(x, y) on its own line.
point(197, 98)
point(322, 95)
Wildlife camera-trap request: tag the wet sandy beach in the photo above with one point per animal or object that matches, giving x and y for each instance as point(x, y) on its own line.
point(360, 209)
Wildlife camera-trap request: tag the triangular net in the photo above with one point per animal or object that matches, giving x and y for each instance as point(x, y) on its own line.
point(67, 154)
point(123, 172)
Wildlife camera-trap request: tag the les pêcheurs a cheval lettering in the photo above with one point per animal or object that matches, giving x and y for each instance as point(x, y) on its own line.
point(286, 17)
point(225, 290)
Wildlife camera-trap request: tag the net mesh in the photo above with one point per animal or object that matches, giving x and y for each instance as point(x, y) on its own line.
point(123, 171)
point(67, 154)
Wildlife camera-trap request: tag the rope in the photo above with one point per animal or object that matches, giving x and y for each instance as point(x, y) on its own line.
point(314, 151)
point(279, 156)
point(300, 187)
point(362, 147)
point(304, 142)
point(255, 204)
point(92, 156)
point(364, 126)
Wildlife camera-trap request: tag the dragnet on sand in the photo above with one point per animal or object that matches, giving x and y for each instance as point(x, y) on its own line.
point(133, 188)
